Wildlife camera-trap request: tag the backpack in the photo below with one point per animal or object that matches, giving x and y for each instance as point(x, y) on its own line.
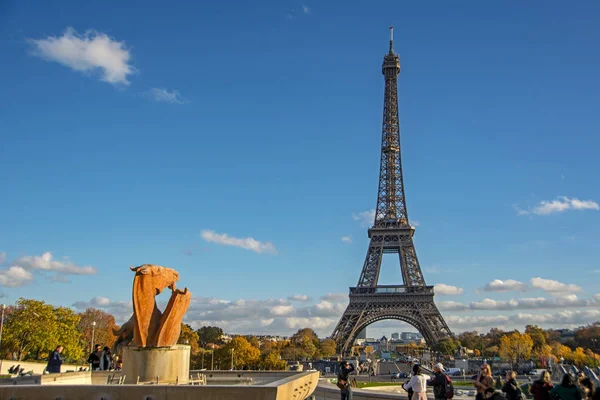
point(449, 388)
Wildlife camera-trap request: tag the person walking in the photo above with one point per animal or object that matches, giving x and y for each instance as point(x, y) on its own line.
point(343, 383)
point(483, 381)
point(439, 382)
point(493, 394)
point(540, 389)
point(566, 390)
point(55, 361)
point(511, 387)
point(94, 358)
point(418, 383)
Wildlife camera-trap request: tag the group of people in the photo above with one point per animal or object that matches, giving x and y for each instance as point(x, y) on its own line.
point(569, 388)
point(101, 359)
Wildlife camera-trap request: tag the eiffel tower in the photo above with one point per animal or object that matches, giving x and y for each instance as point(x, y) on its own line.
point(391, 232)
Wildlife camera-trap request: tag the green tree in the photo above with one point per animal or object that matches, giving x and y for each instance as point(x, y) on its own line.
point(471, 340)
point(447, 346)
point(66, 333)
point(30, 328)
point(209, 334)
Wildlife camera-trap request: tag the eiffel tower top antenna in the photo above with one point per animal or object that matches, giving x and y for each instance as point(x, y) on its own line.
point(391, 40)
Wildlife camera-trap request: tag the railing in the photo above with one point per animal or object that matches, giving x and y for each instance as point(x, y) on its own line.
point(389, 289)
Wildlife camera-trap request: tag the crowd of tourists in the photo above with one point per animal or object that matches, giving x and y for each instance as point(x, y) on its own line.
point(102, 359)
point(579, 388)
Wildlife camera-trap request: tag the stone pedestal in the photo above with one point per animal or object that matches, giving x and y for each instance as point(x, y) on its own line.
point(170, 364)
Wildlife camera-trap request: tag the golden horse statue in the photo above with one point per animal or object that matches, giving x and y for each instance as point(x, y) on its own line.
point(148, 326)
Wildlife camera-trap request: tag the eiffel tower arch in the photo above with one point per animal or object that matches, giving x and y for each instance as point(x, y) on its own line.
point(391, 232)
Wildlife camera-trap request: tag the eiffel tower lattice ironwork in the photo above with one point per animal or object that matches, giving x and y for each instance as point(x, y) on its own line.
point(391, 232)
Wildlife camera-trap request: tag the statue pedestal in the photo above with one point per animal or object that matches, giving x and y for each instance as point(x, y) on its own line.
point(169, 364)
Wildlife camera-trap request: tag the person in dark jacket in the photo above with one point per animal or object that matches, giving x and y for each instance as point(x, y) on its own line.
point(493, 394)
point(511, 387)
point(567, 390)
point(438, 382)
point(345, 389)
point(55, 361)
point(540, 389)
point(94, 358)
point(483, 381)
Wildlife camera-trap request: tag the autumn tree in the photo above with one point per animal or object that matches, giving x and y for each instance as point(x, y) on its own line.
point(305, 342)
point(515, 346)
point(272, 362)
point(327, 348)
point(190, 337)
point(579, 357)
point(103, 331)
point(561, 351)
point(244, 354)
point(471, 340)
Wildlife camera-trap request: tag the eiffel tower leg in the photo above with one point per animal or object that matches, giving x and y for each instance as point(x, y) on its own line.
point(411, 270)
point(370, 272)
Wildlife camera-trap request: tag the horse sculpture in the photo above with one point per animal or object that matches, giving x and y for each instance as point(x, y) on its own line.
point(148, 326)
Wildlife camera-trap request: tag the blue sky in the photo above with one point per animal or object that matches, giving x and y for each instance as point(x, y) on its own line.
point(239, 143)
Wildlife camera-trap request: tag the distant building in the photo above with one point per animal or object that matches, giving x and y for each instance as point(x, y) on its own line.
point(362, 334)
point(395, 335)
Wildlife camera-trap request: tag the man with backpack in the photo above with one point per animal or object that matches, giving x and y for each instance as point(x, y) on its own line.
point(442, 384)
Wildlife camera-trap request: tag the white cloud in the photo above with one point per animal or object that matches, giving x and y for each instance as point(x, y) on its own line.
point(45, 262)
point(415, 223)
point(93, 51)
point(305, 9)
point(528, 303)
point(299, 297)
point(15, 276)
point(366, 218)
point(121, 310)
point(442, 288)
point(244, 243)
point(282, 310)
point(346, 239)
point(561, 204)
point(164, 96)
point(566, 319)
point(335, 297)
point(505, 286)
point(553, 286)
point(451, 306)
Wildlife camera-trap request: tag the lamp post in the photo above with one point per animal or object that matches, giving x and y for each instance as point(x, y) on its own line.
point(212, 358)
point(1, 326)
point(93, 331)
point(232, 358)
point(203, 351)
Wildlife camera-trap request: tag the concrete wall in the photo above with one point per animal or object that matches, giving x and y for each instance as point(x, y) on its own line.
point(298, 386)
point(36, 367)
point(70, 378)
